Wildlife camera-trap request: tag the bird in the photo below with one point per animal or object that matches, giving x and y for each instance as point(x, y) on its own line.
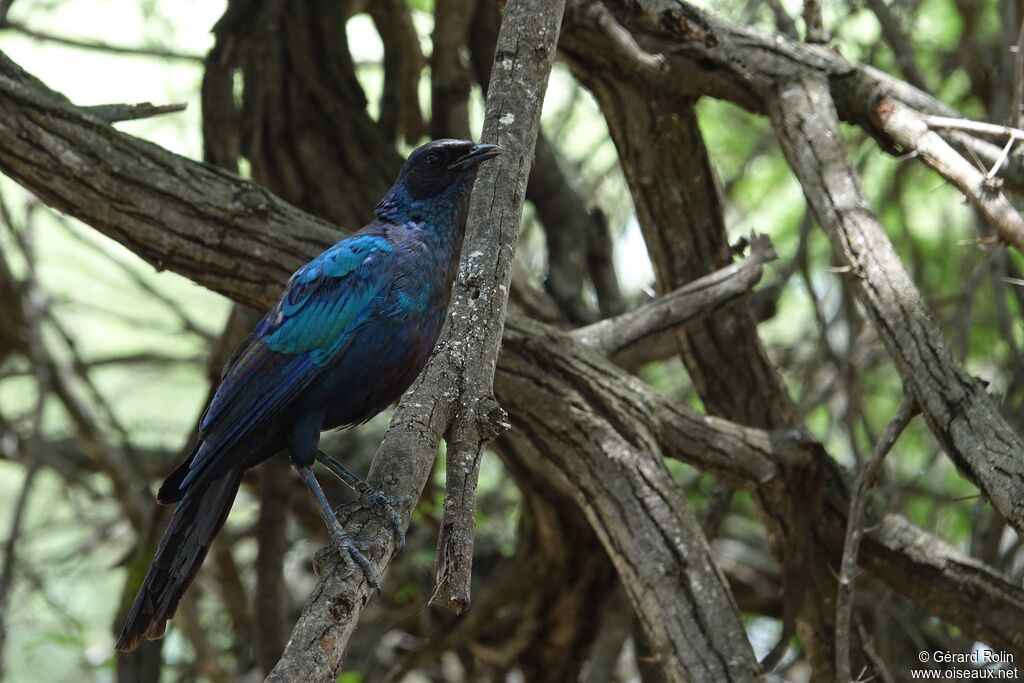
point(348, 335)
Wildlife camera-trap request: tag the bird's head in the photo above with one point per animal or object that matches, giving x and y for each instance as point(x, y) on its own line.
point(436, 175)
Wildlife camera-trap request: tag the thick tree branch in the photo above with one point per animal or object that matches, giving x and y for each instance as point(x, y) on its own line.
point(679, 208)
point(225, 233)
point(942, 580)
point(972, 597)
point(572, 233)
point(562, 399)
point(709, 56)
point(946, 583)
point(955, 405)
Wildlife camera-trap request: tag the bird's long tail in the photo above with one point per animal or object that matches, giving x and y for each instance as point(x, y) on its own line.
point(195, 522)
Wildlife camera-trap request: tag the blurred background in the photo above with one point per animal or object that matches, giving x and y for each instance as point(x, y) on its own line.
point(97, 403)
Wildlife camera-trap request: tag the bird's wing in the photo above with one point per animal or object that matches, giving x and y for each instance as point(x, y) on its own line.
point(301, 336)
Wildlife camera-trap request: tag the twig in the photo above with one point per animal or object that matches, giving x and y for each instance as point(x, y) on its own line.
point(620, 335)
point(778, 651)
point(81, 372)
point(1018, 80)
point(871, 652)
point(131, 112)
point(1000, 159)
point(971, 126)
point(10, 558)
point(97, 45)
point(783, 22)
point(855, 533)
point(154, 293)
point(913, 131)
point(33, 307)
point(897, 40)
point(622, 42)
point(816, 32)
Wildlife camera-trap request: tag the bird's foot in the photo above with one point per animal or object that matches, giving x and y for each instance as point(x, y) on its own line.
point(350, 551)
point(379, 504)
point(351, 554)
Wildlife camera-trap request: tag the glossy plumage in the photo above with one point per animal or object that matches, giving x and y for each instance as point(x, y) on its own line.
point(349, 334)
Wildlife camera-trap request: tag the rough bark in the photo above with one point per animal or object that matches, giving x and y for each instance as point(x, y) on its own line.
point(706, 55)
point(224, 232)
point(604, 452)
point(680, 213)
point(455, 388)
point(955, 405)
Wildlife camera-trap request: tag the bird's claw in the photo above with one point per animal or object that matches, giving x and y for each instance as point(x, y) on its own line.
point(351, 553)
point(379, 504)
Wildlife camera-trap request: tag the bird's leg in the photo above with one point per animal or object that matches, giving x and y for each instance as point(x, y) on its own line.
point(370, 498)
point(346, 547)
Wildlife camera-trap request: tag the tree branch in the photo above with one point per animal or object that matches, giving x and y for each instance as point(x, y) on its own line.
point(620, 337)
point(942, 580)
point(911, 131)
point(114, 113)
point(515, 95)
point(854, 533)
point(562, 396)
point(95, 45)
point(899, 553)
point(958, 410)
point(453, 394)
point(225, 233)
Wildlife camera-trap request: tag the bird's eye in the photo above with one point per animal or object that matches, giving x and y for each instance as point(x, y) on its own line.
point(433, 159)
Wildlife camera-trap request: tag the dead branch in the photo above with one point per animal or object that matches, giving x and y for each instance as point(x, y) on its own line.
point(620, 336)
point(132, 112)
point(911, 131)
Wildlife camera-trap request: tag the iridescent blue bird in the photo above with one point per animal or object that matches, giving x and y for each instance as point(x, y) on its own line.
point(351, 331)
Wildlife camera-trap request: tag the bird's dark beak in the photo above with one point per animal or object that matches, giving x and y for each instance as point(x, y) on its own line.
point(475, 157)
